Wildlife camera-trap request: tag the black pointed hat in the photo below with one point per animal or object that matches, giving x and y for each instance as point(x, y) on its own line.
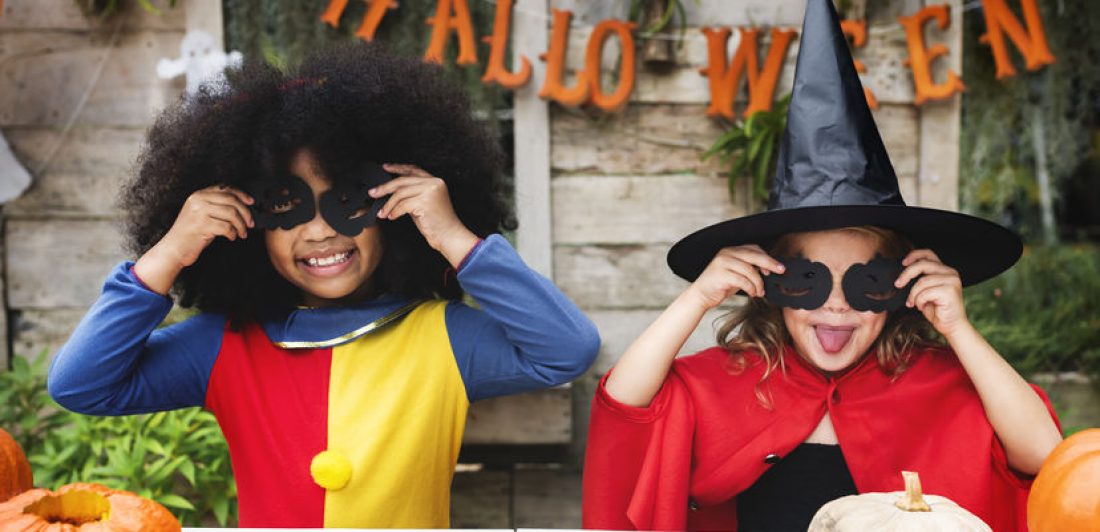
point(833, 172)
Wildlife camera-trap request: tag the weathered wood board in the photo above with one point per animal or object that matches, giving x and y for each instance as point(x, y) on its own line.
point(59, 263)
point(42, 15)
point(44, 77)
point(85, 174)
point(547, 498)
point(602, 277)
point(619, 328)
point(481, 499)
point(636, 209)
point(541, 417)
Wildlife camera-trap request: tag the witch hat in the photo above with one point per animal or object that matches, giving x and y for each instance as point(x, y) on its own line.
point(833, 172)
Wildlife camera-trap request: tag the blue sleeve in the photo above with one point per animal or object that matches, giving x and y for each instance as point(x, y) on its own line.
point(526, 335)
point(117, 362)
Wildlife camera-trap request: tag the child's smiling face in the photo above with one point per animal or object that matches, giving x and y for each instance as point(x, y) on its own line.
point(329, 268)
point(834, 336)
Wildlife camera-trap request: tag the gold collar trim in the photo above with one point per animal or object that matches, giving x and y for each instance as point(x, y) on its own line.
point(380, 322)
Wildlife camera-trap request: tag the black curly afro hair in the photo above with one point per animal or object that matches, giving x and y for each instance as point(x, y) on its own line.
point(346, 104)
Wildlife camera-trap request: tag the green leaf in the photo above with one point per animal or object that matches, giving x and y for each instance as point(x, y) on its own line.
point(175, 501)
point(148, 6)
point(156, 447)
point(156, 472)
point(661, 23)
point(680, 10)
point(754, 148)
point(763, 169)
point(750, 124)
point(187, 469)
point(220, 508)
point(725, 143)
point(740, 163)
point(156, 420)
point(67, 453)
point(20, 365)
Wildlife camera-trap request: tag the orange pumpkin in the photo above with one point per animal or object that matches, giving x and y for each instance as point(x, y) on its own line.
point(1066, 493)
point(15, 471)
point(82, 506)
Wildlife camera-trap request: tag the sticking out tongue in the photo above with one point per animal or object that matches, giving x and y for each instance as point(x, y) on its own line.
point(832, 339)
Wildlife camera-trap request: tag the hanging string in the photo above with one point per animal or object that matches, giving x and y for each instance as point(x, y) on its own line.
point(693, 36)
point(546, 18)
point(83, 101)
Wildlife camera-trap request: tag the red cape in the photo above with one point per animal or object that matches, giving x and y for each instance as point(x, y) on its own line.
point(705, 436)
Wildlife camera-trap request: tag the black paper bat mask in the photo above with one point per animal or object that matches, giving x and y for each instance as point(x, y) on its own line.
point(287, 201)
point(867, 287)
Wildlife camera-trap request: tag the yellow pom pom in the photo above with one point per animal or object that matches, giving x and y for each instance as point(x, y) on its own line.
point(330, 469)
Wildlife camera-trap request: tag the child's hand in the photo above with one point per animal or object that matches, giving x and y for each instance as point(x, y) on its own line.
point(424, 198)
point(207, 214)
point(937, 293)
point(733, 269)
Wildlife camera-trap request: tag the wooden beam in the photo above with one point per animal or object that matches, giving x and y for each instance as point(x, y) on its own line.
point(532, 144)
point(938, 177)
point(206, 15)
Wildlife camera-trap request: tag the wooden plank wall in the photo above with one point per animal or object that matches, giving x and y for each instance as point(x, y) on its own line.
point(78, 94)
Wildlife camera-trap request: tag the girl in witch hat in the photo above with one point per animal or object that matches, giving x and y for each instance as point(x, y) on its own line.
point(828, 382)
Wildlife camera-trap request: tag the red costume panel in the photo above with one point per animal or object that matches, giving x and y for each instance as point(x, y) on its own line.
point(263, 394)
point(680, 462)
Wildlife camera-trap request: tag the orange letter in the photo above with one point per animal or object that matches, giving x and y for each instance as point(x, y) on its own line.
point(1032, 43)
point(921, 57)
point(725, 77)
point(592, 64)
point(857, 30)
point(332, 13)
point(375, 12)
point(498, 42)
point(442, 24)
point(552, 87)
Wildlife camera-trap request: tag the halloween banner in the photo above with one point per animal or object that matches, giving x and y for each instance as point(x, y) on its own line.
point(451, 25)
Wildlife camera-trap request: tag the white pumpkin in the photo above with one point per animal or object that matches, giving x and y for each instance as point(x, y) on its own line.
point(896, 512)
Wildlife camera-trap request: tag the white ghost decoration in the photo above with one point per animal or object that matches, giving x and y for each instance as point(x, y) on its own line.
point(14, 178)
point(200, 59)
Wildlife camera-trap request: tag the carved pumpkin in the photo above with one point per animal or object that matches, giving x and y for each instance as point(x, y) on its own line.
point(84, 507)
point(908, 510)
point(1066, 493)
point(15, 471)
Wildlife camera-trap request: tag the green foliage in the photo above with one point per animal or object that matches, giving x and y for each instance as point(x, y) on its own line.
point(999, 117)
point(283, 32)
point(106, 8)
point(750, 147)
point(23, 402)
point(1044, 314)
point(178, 458)
point(639, 14)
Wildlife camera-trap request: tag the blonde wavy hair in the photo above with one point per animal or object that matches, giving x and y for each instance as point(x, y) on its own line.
point(758, 327)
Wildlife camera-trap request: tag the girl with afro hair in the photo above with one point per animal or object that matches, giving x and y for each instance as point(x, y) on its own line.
point(326, 223)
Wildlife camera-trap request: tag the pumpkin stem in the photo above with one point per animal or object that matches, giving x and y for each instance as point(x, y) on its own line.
point(912, 500)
